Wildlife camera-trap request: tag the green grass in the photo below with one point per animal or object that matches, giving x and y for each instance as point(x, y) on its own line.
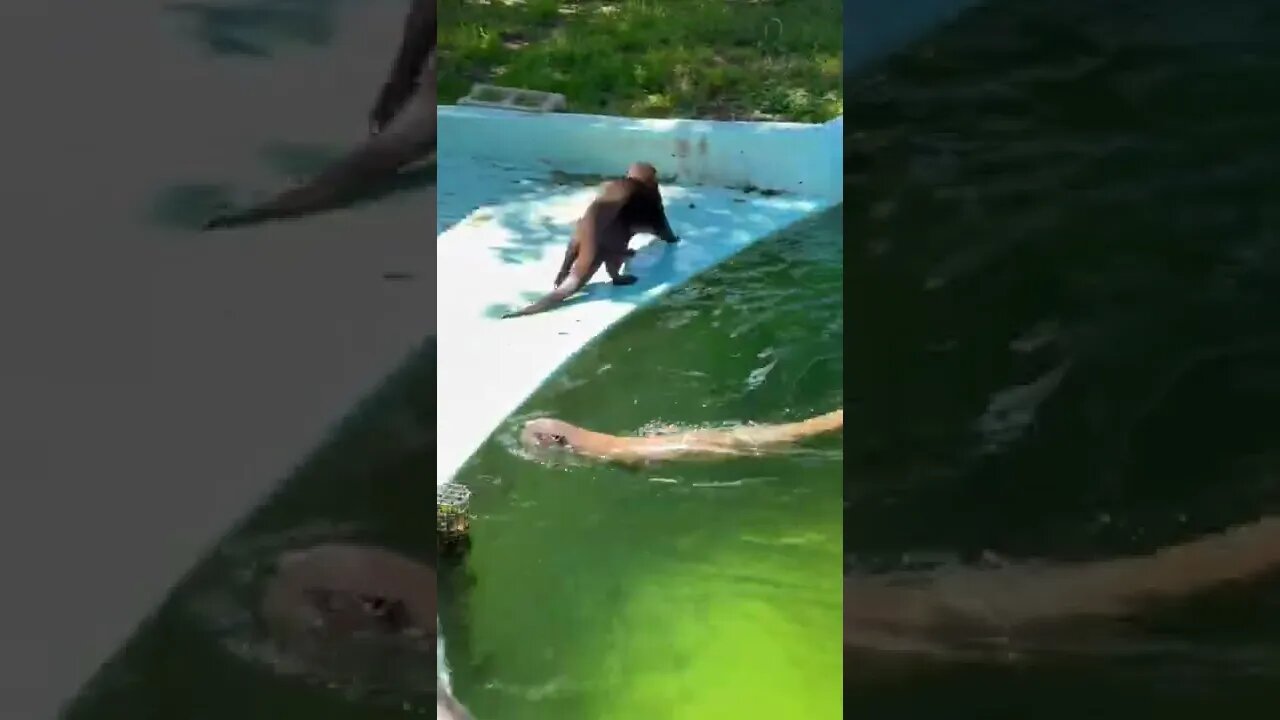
point(718, 59)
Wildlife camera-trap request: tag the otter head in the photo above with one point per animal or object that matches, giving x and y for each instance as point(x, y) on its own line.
point(546, 434)
point(644, 172)
point(354, 613)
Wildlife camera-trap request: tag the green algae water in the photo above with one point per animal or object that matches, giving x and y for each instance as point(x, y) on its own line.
point(683, 590)
point(1064, 289)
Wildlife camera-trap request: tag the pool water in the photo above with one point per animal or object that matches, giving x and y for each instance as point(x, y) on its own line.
point(1063, 291)
point(203, 656)
point(682, 590)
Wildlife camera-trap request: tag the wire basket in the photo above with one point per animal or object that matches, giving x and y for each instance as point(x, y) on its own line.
point(453, 518)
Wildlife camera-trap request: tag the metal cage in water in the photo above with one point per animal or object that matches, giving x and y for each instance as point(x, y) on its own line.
point(453, 517)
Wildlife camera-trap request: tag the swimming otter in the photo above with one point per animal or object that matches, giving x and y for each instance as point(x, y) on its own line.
point(326, 600)
point(351, 590)
point(549, 433)
point(988, 611)
point(348, 611)
point(623, 208)
point(404, 131)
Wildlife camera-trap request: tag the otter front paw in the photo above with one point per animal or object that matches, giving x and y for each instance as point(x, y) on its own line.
point(629, 252)
point(625, 280)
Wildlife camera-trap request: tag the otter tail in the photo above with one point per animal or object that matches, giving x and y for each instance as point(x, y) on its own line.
point(546, 302)
point(571, 285)
point(756, 436)
point(1115, 586)
point(410, 137)
point(825, 423)
point(1020, 596)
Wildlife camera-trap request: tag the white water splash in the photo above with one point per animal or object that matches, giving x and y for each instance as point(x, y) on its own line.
point(442, 667)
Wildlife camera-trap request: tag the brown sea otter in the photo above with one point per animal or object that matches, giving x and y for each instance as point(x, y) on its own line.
point(347, 609)
point(994, 611)
point(403, 130)
point(675, 444)
point(623, 207)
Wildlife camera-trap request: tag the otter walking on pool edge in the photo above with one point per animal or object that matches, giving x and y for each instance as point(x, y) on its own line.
point(549, 433)
point(403, 128)
point(623, 208)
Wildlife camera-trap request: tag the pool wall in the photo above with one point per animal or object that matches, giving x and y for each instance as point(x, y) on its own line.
point(783, 157)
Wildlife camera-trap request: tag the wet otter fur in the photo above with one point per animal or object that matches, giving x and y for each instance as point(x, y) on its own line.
point(623, 207)
point(353, 611)
point(675, 444)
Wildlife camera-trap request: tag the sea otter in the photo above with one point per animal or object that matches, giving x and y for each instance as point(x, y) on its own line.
point(403, 131)
point(623, 207)
point(349, 610)
point(347, 613)
point(674, 444)
point(996, 610)
point(351, 590)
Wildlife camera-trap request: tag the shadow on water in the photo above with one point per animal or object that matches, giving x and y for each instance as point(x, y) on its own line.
point(189, 206)
point(1065, 296)
point(258, 28)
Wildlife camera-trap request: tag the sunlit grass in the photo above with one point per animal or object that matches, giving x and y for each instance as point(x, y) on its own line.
point(722, 59)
